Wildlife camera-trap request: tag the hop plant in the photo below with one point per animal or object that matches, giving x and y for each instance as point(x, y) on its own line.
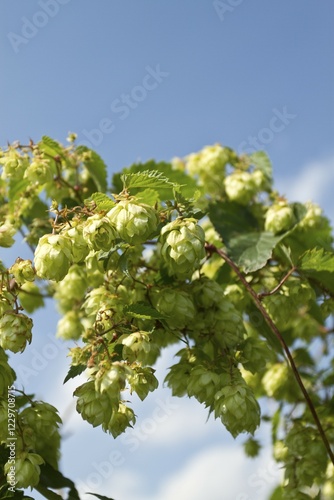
point(99, 233)
point(135, 222)
point(15, 331)
point(182, 247)
point(279, 218)
point(53, 257)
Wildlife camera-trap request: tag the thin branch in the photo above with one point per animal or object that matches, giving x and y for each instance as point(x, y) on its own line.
point(280, 284)
point(274, 329)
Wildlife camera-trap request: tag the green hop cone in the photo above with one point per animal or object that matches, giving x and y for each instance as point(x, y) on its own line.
point(137, 346)
point(7, 231)
point(80, 247)
point(22, 271)
point(15, 331)
point(69, 327)
point(71, 290)
point(93, 406)
point(120, 420)
point(26, 472)
point(30, 297)
point(182, 247)
point(279, 218)
point(7, 374)
point(135, 222)
point(203, 384)
point(209, 166)
point(142, 381)
point(252, 447)
point(39, 171)
point(99, 233)
point(240, 187)
point(175, 305)
point(42, 417)
point(237, 408)
point(53, 257)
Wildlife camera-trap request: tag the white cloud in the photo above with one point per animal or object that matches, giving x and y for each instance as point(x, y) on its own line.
point(216, 473)
point(314, 182)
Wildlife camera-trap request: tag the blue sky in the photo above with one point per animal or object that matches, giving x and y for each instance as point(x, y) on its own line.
point(151, 79)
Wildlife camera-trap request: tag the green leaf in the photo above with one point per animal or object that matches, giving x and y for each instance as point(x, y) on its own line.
point(52, 478)
point(146, 179)
point(231, 219)
point(261, 161)
point(318, 265)
point(95, 166)
point(247, 245)
point(74, 371)
point(101, 497)
point(317, 259)
point(277, 494)
point(251, 251)
point(142, 311)
point(50, 147)
point(102, 201)
point(187, 185)
point(148, 196)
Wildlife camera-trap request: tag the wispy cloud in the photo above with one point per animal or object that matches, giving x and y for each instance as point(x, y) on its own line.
point(314, 182)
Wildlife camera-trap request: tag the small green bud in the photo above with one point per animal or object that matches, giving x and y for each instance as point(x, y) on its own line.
point(279, 218)
point(15, 331)
point(135, 222)
point(252, 447)
point(99, 233)
point(53, 257)
point(182, 247)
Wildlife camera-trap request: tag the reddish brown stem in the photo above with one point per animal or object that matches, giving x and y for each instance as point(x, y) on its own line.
point(277, 333)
